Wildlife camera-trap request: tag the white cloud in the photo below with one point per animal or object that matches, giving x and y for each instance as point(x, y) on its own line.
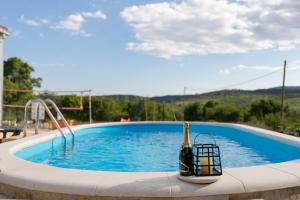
point(257, 68)
point(74, 22)
point(225, 71)
point(213, 27)
point(33, 22)
point(291, 66)
point(97, 15)
point(30, 22)
point(44, 21)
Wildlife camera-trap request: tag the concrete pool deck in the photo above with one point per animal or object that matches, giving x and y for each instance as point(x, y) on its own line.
point(24, 179)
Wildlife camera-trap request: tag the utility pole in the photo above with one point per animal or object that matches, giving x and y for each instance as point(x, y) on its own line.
point(283, 91)
point(184, 93)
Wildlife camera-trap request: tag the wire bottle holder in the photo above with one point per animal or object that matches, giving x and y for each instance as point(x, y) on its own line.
point(207, 158)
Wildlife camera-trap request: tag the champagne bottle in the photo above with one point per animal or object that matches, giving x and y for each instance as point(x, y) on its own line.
point(186, 158)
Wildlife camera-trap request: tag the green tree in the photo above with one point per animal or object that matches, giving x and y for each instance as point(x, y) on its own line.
point(18, 75)
point(263, 107)
point(211, 104)
point(193, 112)
point(228, 114)
point(209, 109)
point(273, 121)
point(70, 101)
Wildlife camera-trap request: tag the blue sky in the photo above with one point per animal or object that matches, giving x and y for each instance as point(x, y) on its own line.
point(154, 47)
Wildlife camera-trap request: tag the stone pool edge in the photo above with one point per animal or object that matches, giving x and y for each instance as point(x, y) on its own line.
point(41, 179)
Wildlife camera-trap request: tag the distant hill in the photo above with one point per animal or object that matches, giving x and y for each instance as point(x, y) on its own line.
point(120, 97)
point(235, 96)
point(277, 90)
point(290, 92)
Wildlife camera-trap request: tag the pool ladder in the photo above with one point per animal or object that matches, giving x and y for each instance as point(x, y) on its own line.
point(43, 103)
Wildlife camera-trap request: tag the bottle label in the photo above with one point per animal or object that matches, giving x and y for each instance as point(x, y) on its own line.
point(183, 167)
point(186, 162)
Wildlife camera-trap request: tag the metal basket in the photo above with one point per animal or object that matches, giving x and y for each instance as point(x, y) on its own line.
point(207, 158)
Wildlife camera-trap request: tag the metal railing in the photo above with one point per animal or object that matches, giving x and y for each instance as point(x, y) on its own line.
point(44, 104)
point(61, 116)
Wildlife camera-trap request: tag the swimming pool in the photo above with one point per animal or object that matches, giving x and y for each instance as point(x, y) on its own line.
point(154, 147)
point(24, 177)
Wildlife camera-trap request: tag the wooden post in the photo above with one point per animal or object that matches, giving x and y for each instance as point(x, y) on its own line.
point(163, 111)
point(146, 110)
point(184, 94)
point(90, 107)
point(283, 92)
point(153, 111)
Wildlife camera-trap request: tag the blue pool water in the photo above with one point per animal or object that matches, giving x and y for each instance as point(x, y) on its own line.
point(154, 147)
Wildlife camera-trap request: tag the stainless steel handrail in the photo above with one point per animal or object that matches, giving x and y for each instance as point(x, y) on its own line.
point(61, 116)
point(25, 116)
point(42, 102)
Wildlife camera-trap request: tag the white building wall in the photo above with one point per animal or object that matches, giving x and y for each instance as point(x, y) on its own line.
point(1, 76)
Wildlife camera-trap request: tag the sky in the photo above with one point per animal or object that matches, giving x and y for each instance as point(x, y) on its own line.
point(155, 47)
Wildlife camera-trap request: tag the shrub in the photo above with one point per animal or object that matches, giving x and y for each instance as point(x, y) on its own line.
point(228, 114)
point(193, 112)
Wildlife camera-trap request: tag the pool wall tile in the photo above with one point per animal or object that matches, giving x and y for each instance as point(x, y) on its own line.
point(291, 167)
point(138, 184)
point(262, 178)
point(54, 181)
point(226, 184)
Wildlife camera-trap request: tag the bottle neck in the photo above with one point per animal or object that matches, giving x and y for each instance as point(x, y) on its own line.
point(186, 136)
